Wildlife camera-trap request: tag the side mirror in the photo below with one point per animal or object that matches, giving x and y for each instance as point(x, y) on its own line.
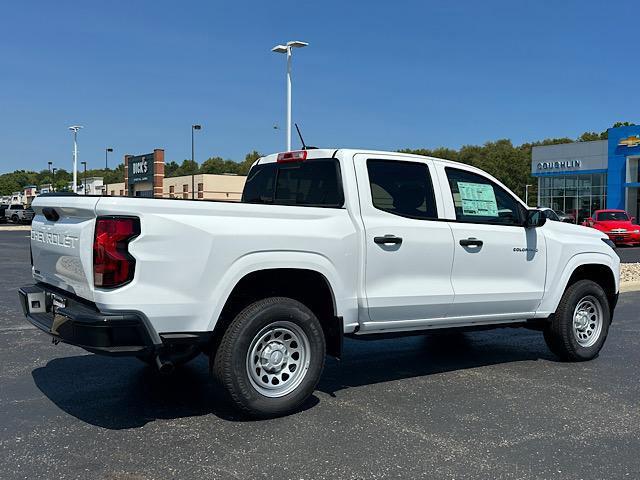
point(589, 221)
point(535, 218)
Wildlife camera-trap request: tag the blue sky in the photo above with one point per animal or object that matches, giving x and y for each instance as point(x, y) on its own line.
point(383, 75)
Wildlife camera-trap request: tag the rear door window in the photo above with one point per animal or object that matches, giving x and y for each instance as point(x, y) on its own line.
point(313, 183)
point(402, 188)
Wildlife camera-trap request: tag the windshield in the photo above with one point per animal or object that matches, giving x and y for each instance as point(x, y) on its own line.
point(314, 182)
point(604, 216)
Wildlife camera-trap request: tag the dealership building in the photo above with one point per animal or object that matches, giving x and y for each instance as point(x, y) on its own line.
point(579, 178)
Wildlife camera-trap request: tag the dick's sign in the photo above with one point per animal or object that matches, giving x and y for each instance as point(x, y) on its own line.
point(141, 168)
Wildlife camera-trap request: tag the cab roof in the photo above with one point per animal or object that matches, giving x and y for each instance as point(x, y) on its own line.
point(349, 152)
point(331, 152)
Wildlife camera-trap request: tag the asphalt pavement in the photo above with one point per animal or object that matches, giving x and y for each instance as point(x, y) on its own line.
point(629, 254)
point(487, 405)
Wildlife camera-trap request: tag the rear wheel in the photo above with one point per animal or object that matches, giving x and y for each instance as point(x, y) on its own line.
point(271, 356)
point(15, 219)
point(580, 325)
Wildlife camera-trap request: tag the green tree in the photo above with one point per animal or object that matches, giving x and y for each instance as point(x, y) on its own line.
point(623, 124)
point(115, 175)
point(214, 165)
point(188, 167)
point(170, 169)
point(249, 160)
point(590, 136)
point(8, 184)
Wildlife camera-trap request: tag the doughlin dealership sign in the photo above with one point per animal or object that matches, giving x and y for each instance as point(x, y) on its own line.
point(141, 168)
point(570, 158)
point(559, 165)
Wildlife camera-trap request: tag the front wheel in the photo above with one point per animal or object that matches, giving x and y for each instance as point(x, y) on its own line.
point(271, 357)
point(580, 325)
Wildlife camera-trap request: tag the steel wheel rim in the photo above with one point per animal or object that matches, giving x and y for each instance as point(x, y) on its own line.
point(278, 359)
point(587, 321)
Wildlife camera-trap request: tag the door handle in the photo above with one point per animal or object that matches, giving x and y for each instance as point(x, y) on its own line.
point(471, 242)
point(388, 240)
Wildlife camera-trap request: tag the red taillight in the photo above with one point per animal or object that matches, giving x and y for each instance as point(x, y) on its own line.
point(297, 156)
point(112, 264)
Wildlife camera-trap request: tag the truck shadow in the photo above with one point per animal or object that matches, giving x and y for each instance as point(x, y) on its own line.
point(367, 362)
point(122, 393)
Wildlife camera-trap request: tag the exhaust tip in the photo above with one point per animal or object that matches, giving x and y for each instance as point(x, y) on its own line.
point(164, 366)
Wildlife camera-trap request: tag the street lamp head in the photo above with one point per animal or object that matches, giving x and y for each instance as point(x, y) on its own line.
point(280, 49)
point(83, 163)
point(75, 128)
point(109, 150)
point(297, 44)
point(196, 127)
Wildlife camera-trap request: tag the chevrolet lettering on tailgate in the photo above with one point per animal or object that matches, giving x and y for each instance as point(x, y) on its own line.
point(50, 238)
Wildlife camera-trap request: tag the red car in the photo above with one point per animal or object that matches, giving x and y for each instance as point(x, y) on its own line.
point(617, 224)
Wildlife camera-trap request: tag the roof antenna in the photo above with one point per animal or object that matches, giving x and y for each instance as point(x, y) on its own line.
point(304, 147)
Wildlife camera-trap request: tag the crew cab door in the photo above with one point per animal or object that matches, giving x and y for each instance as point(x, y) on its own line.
point(499, 266)
point(408, 252)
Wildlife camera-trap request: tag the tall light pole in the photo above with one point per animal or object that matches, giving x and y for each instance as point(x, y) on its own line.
point(193, 160)
point(53, 184)
point(84, 178)
point(106, 157)
point(75, 129)
point(50, 164)
point(526, 194)
point(287, 49)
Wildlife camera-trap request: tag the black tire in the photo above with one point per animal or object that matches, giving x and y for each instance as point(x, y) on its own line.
point(559, 332)
point(232, 360)
point(15, 219)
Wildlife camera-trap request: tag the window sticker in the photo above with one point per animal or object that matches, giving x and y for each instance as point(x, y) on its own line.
point(478, 199)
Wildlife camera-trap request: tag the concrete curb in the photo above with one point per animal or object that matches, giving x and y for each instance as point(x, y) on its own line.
point(629, 286)
point(15, 228)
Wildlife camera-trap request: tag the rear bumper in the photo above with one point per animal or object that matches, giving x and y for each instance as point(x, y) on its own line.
point(72, 320)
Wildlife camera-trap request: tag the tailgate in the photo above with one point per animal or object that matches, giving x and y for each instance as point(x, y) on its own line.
point(62, 242)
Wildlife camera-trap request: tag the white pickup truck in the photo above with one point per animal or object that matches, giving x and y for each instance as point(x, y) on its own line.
point(325, 244)
point(17, 213)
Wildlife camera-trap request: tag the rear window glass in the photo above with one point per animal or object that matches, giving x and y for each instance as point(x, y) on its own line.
point(313, 182)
